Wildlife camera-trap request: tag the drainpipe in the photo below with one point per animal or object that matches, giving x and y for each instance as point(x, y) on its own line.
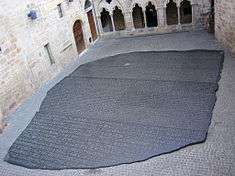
point(96, 21)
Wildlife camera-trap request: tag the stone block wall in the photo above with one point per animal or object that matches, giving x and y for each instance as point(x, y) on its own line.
point(225, 22)
point(198, 7)
point(24, 63)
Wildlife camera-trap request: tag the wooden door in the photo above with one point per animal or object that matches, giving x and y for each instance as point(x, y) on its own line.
point(92, 25)
point(78, 35)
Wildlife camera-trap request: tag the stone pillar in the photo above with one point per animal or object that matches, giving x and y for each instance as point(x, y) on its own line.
point(161, 16)
point(129, 21)
point(112, 22)
point(194, 13)
point(164, 16)
point(178, 11)
point(145, 19)
point(100, 25)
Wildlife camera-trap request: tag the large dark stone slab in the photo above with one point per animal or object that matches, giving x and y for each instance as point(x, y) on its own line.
point(122, 109)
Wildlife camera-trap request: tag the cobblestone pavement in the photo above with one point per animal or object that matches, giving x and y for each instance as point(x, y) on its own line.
point(215, 157)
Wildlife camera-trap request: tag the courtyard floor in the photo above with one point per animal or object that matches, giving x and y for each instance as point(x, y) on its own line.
point(214, 157)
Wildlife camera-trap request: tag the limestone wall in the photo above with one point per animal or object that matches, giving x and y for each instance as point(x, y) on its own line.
point(24, 64)
point(225, 22)
point(199, 8)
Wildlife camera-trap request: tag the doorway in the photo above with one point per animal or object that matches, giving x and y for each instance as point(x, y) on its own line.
point(78, 36)
point(138, 17)
point(106, 21)
point(92, 25)
point(118, 18)
point(151, 15)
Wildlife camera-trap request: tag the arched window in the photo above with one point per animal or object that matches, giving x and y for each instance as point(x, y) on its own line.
point(87, 4)
point(171, 13)
point(138, 17)
point(118, 18)
point(185, 12)
point(106, 21)
point(151, 15)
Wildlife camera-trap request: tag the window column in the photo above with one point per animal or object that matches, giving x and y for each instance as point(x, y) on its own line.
point(178, 11)
point(111, 14)
point(145, 18)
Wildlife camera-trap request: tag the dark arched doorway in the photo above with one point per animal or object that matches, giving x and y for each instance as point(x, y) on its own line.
point(118, 19)
point(78, 36)
point(88, 8)
point(151, 15)
point(185, 12)
point(138, 17)
point(171, 13)
point(106, 21)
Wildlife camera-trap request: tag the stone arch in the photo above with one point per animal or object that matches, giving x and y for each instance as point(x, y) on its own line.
point(185, 12)
point(118, 19)
point(106, 21)
point(171, 13)
point(117, 6)
point(78, 36)
point(109, 6)
point(151, 15)
point(138, 16)
point(146, 3)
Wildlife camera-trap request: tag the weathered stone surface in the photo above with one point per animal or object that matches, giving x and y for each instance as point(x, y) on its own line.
point(24, 65)
point(225, 22)
point(198, 9)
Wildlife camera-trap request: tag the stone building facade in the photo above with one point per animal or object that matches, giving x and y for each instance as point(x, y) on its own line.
point(149, 16)
point(38, 38)
point(225, 22)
